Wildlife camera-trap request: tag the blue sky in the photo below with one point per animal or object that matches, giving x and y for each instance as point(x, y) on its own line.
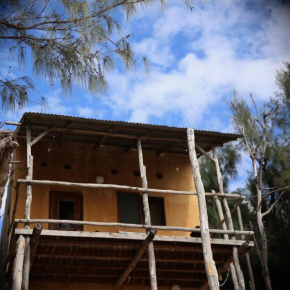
point(197, 58)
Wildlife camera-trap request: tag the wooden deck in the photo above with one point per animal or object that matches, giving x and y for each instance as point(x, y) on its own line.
point(101, 258)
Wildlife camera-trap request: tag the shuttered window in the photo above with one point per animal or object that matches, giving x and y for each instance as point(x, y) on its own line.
point(130, 209)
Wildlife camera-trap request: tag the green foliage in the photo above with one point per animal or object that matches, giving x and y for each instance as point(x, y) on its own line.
point(229, 157)
point(283, 81)
point(68, 41)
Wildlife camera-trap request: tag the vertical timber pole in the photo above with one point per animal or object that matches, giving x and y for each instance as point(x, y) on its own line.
point(152, 263)
point(18, 264)
point(209, 263)
point(226, 236)
point(248, 260)
point(29, 161)
point(237, 265)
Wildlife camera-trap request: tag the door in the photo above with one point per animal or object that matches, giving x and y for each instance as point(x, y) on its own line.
point(65, 206)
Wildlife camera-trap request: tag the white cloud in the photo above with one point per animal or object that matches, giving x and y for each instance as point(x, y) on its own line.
point(85, 112)
point(241, 48)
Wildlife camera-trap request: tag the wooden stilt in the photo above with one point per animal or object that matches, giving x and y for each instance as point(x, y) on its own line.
point(135, 260)
point(243, 249)
point(34, 241)
point(210, 266)
point(18, 264)
point(226, 236)
point(248, 260)
point(230, 224)
point(152, 263)
point(26, 264)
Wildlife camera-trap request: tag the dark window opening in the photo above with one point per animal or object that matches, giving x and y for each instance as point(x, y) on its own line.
point(159, 175)
point(66, 211)
point(157, 211)
point(114, 171)
point(137, 173)
point(129, 208)
point(67, 166)
point(65, 206)
point(43, 164)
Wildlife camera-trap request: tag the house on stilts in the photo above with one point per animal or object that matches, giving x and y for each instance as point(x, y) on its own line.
point(95, 204)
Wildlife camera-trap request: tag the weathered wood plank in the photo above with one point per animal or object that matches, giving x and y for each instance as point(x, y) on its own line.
point(130, 236)
point(135, 260)
point(137, 226)
point(210, 266)
point(121, 187)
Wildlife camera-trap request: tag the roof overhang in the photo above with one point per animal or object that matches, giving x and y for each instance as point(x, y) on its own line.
point(118, 133)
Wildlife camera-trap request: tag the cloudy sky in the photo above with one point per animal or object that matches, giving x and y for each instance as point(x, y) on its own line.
point(197, 58)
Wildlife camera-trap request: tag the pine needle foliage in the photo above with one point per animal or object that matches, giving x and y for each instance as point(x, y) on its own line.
point(67, 41)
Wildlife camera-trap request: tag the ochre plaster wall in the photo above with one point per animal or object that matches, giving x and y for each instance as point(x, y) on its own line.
point(98, 204)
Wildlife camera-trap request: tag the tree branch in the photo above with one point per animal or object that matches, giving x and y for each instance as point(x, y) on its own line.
point(273, 205)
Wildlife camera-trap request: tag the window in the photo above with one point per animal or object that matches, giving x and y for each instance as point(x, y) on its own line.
point(130, 209)
point(65, 206)
point(157, 211)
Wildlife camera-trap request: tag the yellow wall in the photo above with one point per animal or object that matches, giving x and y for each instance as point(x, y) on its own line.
point(101, 205)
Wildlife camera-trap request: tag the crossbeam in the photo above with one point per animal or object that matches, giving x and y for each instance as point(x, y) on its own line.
point(136, 226)
point(124, 187)
point(129, 236)
point(135, 260)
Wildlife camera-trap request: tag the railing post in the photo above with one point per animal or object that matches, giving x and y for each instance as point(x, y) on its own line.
point(230, 224)
point(152, 263)
point(209, 263)
point(29, 160)
point(226, 236)
point(248, 260)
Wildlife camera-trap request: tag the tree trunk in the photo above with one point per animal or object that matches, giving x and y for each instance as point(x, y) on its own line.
point(266, 274)
point(258, 183)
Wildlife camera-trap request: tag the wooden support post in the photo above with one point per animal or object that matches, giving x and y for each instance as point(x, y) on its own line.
point(26, 264)
point(135, 260)
point(230, 224)
point(18, 264)
point(152, 263)
point(34, 241)
point(209, 263)
point(226, 236)
point(248, 260)
point(243, 249)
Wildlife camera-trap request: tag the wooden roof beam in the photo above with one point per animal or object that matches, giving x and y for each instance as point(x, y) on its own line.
point(40, 136)
point(103, 138)
point(170, 147)
point(64, 134)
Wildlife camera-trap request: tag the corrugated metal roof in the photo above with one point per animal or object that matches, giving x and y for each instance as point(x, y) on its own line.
point(119, 133)
point(122, 123)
